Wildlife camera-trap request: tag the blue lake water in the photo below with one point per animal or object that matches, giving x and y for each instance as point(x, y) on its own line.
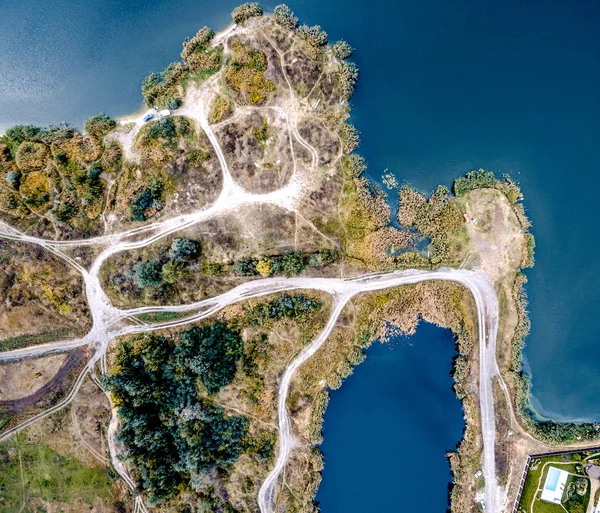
point(389, 427)
point(445, 87)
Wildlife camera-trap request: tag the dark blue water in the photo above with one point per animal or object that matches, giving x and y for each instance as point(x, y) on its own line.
point(389, 426)
point(445, 87)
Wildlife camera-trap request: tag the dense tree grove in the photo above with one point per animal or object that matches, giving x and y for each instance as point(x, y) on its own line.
point(170, 433)
point(287, 306)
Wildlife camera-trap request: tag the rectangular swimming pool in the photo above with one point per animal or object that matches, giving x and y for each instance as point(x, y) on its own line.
point(552, 479)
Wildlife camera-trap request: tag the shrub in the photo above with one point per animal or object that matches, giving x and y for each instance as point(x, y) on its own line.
point(31, 156)
point(65, 211)
point(245, 267)
point(264, 267)
point(342, 50)
point(162, 88)
point(287, 306)
point(35, 188)
point(213, 269)
point(185, 250)
point(98, 126)
point(13, 178)
point(173, 271)
point(314, 36)
point(149, 198)
point(262, 134)
point(292, 264)
point(284, 16)
point(325, 257)
point(163, 128)
point(148, 274)
point(246, 73)
point(221, 109)
point(246, 11)
point(197, 157)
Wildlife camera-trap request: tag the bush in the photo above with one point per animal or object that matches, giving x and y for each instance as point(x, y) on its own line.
point(221, 109)
point(325, 257)
point(245, 267)
point(246, 11)
point(246, 73)
point(35, 188)
point(173, 271)
point(185, 250)
point(13, 178)
point(65, 211)
point(98, 126)
point(163, 128)
point(342, 50)
point(148, 274)
point(292, 264)
point(264, 267)
point(31, 156)
point(147, 199)
point(284, 16)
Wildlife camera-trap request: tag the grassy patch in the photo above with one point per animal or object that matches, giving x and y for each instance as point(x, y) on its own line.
point(163, 316)
point(27, 340)
point(32, 470)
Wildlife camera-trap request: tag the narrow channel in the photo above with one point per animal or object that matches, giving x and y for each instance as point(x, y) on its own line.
point(388, 428)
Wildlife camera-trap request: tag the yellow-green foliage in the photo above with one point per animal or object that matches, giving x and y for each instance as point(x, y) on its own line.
point(84, 149)
point(264, 267)
point(246, 74)
point(35, 188)
point(221, 109)
point(31, 156)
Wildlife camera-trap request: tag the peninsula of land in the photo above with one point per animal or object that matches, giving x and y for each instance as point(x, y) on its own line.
point(182, 288)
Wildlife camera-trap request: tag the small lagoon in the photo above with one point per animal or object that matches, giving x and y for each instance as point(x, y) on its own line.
point(389, 426)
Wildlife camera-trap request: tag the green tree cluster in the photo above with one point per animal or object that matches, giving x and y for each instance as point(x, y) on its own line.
point(246, 11)
point(285, 17)
point(98, 126)
point(170, 433)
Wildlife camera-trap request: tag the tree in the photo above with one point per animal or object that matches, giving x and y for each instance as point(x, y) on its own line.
point(98, 126)
point(185, 250)
point(173, 271)
point(148, 274)
point(285, 16)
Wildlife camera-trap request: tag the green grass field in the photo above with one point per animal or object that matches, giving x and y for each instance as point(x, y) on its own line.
point(31, 470)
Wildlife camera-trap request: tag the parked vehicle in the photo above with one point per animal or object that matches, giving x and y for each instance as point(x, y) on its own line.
point(149, 115)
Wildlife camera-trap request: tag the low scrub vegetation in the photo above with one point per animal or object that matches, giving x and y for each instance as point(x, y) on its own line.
point(246, 74)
